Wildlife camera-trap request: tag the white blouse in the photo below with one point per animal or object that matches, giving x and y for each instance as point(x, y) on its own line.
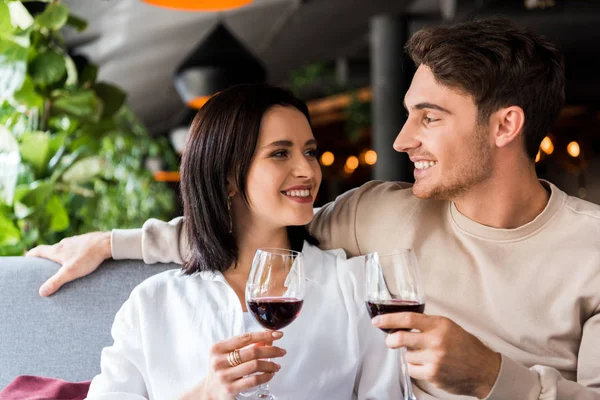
point(164, 331)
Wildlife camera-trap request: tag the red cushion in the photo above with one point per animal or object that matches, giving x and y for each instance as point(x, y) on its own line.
point(41, 388)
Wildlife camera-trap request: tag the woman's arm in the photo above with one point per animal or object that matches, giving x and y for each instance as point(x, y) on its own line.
point(122, 373)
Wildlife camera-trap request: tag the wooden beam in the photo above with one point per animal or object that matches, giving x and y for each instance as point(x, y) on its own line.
point(338, 101)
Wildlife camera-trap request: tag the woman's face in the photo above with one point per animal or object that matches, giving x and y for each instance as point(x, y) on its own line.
point(284, 175)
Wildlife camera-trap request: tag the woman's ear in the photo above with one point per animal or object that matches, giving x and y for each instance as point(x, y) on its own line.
point(231, 187)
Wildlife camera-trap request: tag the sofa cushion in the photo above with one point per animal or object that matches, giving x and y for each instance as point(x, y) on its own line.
point(61, 336)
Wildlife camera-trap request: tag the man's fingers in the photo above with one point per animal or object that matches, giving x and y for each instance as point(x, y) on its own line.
point(418, 371)
point(246, 339)
point(410, 340)
point(403, 320)
point(44, 251)
point(55, 282)
point(419, 357)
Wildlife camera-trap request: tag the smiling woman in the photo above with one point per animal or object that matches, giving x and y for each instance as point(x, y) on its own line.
point(260, 163)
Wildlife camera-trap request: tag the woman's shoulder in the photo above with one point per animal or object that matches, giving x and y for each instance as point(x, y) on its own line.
point(171, 282)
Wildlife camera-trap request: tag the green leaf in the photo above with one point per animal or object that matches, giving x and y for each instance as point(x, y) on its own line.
point(59, 219)
point(89, 74)
point(6, 26)
point(84, 170)
point(28, 96)
point(77, 22)
point(34, 194)
point(47, 68)
point(54, 16)
point(112, 97)
point(57, 141)
point(34, 149)
point(9, 234)
point(71, 71)
point(11, 51)
point(82, 103)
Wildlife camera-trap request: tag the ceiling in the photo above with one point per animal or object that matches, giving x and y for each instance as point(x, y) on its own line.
point(138, 46)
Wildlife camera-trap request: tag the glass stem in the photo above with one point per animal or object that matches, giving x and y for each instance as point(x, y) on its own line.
point(408, 393)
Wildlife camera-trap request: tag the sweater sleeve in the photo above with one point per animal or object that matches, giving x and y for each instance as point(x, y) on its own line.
point(157, 241)
point(539, 382)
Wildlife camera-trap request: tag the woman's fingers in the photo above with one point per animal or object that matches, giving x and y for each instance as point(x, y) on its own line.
point(243, 340)
point(250, 382)
point(249, 368)
point(255, 352)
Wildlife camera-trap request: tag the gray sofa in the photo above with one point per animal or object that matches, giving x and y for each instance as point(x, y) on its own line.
point(61, 336)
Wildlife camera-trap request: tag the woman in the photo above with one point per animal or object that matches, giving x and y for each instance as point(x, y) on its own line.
point(249, 180)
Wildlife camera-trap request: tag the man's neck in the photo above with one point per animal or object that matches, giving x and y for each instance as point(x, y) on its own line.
point(505, 202)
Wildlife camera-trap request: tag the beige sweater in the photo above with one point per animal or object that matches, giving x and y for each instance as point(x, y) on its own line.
point(531, 293)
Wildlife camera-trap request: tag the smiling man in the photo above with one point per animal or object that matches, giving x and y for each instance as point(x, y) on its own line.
point(510, 264)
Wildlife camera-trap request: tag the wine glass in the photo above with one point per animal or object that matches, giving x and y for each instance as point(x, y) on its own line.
point(393, 285)
point(275, 292)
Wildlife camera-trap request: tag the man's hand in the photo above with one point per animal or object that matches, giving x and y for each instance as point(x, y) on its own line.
point(78, 256)
point(443, 353)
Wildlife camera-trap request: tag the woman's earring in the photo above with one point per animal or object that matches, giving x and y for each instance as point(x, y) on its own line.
point(229, 212)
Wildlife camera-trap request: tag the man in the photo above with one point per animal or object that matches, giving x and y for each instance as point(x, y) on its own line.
point(510, 264)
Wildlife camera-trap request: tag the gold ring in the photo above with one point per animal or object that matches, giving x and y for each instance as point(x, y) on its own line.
point(234, 358)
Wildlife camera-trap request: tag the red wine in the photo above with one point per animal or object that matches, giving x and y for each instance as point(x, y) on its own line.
point(276, 312)
point(394, 306)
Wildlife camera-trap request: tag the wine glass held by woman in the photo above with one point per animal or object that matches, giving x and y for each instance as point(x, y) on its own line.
point(249, 179)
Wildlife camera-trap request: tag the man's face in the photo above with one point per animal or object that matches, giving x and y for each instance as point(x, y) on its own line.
point(450, 151)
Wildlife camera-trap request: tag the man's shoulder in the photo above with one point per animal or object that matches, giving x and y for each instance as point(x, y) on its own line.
point(383, 195)
point(583, 209)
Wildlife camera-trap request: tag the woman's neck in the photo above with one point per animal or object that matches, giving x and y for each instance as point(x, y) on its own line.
point(249, 238)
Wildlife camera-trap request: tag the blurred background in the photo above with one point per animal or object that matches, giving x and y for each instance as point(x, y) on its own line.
point(97, 95)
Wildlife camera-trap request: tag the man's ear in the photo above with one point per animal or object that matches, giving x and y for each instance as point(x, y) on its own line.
point(507, 125)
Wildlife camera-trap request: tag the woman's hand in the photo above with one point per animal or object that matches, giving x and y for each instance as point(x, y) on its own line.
point(226, 380)
point(78, 256)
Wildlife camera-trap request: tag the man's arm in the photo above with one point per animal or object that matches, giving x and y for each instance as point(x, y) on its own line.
point(544, 383)
point(80, 255)
point(457, 362)
point(157, 241)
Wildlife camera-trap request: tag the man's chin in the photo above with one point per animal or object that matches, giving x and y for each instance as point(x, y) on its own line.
point(426, 193)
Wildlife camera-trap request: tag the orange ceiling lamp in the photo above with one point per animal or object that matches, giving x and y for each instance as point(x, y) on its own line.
point(197, 102)
point(199, 5)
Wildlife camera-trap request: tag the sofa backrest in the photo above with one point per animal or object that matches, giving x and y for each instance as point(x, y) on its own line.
point(61, 336)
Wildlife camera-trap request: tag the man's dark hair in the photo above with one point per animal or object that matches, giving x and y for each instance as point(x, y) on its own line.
point(500, 64)
point(221, 143)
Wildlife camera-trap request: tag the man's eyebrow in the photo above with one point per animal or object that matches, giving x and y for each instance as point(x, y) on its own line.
point(422, 106)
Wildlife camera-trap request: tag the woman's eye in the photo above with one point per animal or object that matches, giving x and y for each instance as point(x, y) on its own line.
point(279, 154)
point(311, 153)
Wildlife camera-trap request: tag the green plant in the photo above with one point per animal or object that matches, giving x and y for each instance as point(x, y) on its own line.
point(71, 151)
